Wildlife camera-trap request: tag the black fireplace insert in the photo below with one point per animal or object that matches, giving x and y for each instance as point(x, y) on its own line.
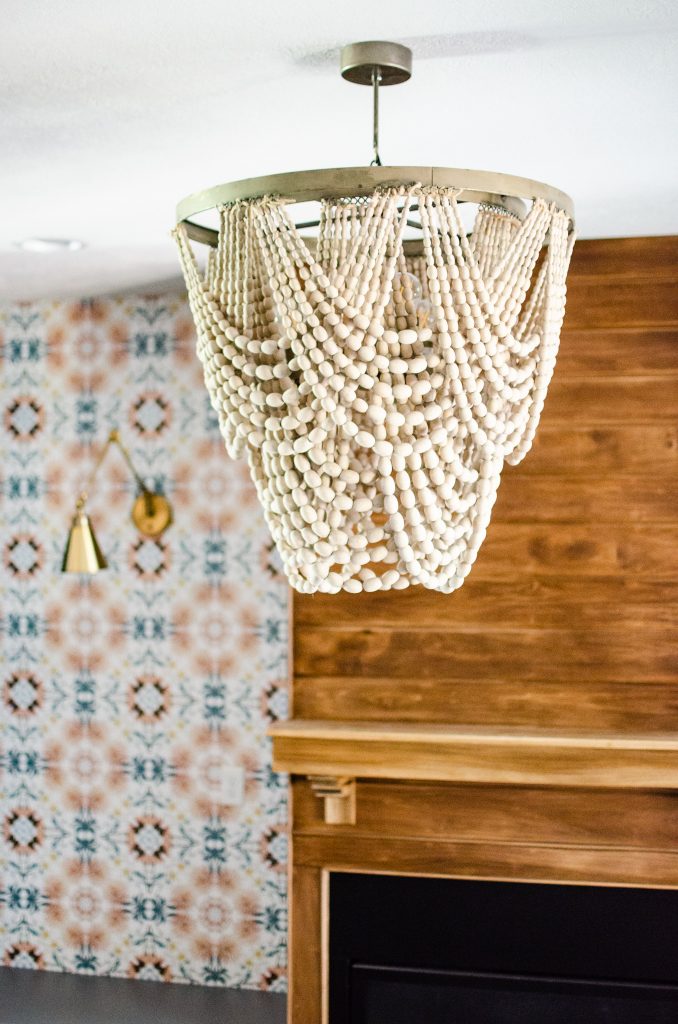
point(412, 950)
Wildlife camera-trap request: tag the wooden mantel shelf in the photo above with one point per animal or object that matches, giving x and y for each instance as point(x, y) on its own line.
point(470, 754)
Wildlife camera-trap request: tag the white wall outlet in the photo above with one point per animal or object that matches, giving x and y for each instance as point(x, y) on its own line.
point(217, 780)
point(232, 785)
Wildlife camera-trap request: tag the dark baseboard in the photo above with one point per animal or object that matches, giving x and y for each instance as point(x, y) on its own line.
point(46, 997)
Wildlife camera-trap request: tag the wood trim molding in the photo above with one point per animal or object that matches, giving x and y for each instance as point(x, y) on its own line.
point(474, 754)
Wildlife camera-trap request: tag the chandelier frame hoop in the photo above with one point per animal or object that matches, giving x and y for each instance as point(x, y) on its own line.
point(504, 190)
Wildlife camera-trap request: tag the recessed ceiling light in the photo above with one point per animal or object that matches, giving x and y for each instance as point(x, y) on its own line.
point(50, 244)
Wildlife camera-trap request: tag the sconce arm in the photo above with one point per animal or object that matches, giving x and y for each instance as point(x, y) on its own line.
point(151, 513)
point(112, 439)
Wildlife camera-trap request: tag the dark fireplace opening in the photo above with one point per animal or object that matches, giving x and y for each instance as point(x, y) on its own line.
point(412, 950)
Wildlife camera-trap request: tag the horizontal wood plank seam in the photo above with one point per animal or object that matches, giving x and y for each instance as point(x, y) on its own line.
point(595, 424)
point(570, 477)
point(658, 324)
point(615, 377)
point(451, 627)
point(428, 841)
point(452, 734)
point(430, 681)
point(358, 833)
point(610, 376)
point(626, 277)
point(569, 332)
point(494, 681)
point(602, 520)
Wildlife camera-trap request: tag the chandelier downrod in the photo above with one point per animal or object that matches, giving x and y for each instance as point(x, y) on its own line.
point(376, 63)
point(376, 80)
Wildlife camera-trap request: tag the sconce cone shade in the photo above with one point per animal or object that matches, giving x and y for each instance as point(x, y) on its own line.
point(82, 553)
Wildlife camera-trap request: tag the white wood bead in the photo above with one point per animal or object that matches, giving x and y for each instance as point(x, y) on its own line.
point(382, 389)
point(402, 392)
point(362, 505)
point(390, 578)
point(390, 504)
point(398, 366)
point(365, 439)
point(396, 522)
point(372, 584)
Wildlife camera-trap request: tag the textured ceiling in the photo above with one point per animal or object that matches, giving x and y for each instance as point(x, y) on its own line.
point(112, 111)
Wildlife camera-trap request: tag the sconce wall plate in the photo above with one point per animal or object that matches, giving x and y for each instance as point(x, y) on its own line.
point(151, 513)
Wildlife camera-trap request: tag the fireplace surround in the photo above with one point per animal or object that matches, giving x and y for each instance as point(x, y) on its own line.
point(587, 820)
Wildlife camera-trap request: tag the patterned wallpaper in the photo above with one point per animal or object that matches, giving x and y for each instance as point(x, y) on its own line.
point(129, 698)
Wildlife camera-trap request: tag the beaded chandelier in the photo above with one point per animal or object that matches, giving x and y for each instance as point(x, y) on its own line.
point(378, 383)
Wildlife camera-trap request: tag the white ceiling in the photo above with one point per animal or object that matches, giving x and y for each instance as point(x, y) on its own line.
point(112, 110)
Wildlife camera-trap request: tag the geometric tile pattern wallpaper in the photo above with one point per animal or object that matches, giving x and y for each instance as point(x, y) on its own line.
point(143, 831)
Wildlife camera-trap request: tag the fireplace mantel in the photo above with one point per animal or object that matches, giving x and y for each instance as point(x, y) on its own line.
point(333, 754)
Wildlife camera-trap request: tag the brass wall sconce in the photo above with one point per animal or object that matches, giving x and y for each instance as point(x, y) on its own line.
point(151, 514)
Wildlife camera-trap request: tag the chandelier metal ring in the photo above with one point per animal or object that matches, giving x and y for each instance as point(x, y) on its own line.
point(503, 190)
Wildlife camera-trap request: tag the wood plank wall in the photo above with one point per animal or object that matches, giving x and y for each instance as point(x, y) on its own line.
point(569, 617)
